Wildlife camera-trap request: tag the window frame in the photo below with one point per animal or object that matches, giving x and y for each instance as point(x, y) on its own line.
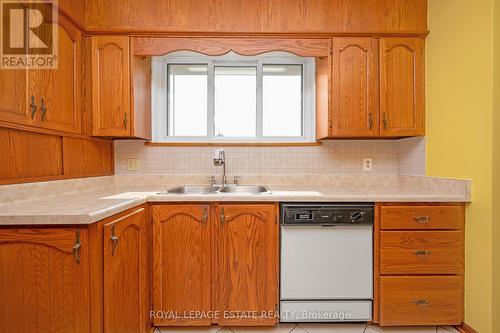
point(160, 98)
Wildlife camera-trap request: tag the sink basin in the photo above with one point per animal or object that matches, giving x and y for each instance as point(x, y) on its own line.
point(200, 189)
point(249, 189)
point(204, 189)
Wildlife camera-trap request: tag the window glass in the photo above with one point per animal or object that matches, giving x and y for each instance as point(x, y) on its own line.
point(235, 101)
point(187, 100)
point(282, 100)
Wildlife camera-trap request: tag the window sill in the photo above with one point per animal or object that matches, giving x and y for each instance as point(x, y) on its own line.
point(232, 144)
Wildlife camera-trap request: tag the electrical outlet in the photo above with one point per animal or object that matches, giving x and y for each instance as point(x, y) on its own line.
point(132, 164)
point(367, 164)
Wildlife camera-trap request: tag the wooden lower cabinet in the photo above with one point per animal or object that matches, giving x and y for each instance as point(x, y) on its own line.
point(419, 264)
point(126, 267)
point(44, 280)
point(181, 264)
point(215, 264)
point(245, 279)
point(421, 300)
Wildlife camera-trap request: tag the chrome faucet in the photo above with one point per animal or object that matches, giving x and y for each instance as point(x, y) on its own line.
point(221, 161)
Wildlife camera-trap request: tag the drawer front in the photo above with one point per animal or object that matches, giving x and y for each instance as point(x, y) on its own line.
point(421, 217)
point(423, 300)
point(421, 252)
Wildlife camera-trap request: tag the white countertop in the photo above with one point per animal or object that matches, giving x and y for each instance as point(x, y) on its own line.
point(86, 207)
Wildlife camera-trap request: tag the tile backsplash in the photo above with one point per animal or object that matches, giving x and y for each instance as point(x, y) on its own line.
point(405, 156)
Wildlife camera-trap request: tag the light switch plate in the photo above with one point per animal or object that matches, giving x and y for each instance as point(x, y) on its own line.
point(132, 164)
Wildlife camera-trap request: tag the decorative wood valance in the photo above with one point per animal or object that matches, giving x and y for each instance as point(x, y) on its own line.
point(157, 46)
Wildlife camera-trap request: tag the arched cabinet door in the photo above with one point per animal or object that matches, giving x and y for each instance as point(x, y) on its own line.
point(245, 274)
point(126, 287)
point(111, 85)
point(57, 92)
point(402, 109)
point(181, 264)
point(354, 87)
point(44, 280)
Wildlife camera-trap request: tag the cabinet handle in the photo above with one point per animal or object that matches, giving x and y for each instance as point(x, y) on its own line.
point(114, 240)
point(33, 107)
point(44, 109)
point(76, 247)
point(384, 120)
point(222, 216)
point(421, 302)
point(125, 120)
point(422, 219)
point(422, 253)
point(204, 218)
point(370, 120)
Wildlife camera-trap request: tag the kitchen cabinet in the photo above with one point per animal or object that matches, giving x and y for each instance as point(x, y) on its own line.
point(246, 263)
point(126, 267)
point(229, 264)
point(419, 264)
point(354, 87)
point(44, 280)
point(47, 98)
point(182, 247)
point(121, 89)
point(402, 100)
point(375, 89)
point(57, 92)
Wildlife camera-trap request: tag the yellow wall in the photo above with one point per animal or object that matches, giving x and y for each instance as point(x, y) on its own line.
point(460, 133)
point(496, 168)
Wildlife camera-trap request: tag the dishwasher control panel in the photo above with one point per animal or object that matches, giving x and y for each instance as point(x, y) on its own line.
point(326, 214)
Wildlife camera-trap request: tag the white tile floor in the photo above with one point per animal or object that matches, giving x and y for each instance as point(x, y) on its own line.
point(311, 328)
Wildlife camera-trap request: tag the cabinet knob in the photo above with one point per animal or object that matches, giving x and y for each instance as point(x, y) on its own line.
point(422, 253)
point(43, 108)
point(204, 218)
point(422, 219)
point(384, 120)
point(222, 216)
point(421, 302)
point(370, 120)
point(125, 120)
point(76, 247)
point(33, 107)
point(114, 240)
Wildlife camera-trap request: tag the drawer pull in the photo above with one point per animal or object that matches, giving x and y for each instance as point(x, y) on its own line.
point(421, 302)
point(422, 219)
point(422, 253)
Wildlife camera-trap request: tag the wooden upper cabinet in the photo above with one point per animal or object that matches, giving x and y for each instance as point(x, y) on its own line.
point(44, 280)
point(181, 263)
point(56, 92)
point(245, 274)
point(14, 102)
point(111, 85)
point(126, 278)
point(355, 87)
point(121, 89)
point(402, 99)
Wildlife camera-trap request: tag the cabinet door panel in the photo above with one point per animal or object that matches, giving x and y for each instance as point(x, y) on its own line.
point(402, 86)
point(13, 97)
point(355, 87)
point(126, 273)
point(111, 86)
point(60, 88)
point(181, 263)
point(245, 277)
point(42, 286)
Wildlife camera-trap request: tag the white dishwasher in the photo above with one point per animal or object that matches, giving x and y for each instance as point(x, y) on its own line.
point(326, 272)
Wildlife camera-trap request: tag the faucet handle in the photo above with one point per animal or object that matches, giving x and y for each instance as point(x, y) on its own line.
point(236, 180)
point(211, 179)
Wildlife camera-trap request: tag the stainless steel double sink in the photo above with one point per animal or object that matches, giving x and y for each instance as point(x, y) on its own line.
point(228, 189)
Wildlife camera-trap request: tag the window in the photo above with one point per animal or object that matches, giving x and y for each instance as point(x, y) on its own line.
point(233, 98)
